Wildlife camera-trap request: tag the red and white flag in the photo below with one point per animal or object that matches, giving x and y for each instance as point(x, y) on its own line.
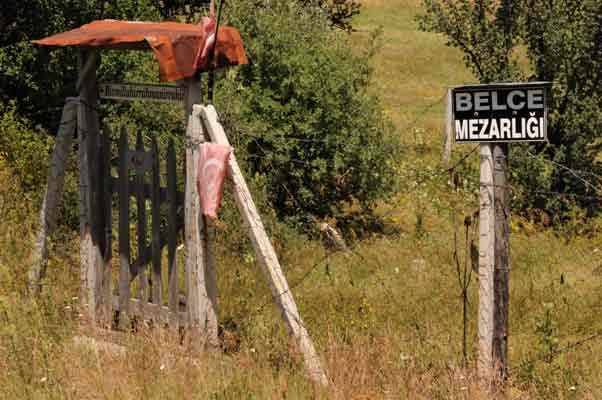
point(211, 173)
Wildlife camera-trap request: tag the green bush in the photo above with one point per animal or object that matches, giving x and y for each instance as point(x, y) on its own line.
point(302, 115)
point(24, 149)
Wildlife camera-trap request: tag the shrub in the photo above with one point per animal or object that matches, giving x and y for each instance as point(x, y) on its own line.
point(23, 149)
point(302, 115)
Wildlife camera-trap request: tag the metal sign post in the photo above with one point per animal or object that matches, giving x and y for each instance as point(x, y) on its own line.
point(494, 115)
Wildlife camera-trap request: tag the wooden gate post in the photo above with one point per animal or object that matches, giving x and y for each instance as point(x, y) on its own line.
point(91, 257)
point(493, 265)
point(201, 301)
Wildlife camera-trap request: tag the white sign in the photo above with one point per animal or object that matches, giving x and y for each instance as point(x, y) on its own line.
point(501, 113)
point(133, 91)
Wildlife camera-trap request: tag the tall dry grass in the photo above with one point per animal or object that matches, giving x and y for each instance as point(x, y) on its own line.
point(385, 318)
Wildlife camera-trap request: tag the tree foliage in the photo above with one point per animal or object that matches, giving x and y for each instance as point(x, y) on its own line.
point(303, 112)
point(340, 12)
point(41, 78)
point(300, 114)
point(562, 42)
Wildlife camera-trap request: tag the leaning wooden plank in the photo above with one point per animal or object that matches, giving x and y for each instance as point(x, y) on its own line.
point(156, 224)
point(88, 129)
point(124, 230)
point(54, 191)
point(265, 252)
point(202, 314)
point(141, 209)
point(151, 311)
point(172, 229)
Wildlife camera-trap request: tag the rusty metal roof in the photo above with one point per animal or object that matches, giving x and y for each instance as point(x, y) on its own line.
point(174, 44)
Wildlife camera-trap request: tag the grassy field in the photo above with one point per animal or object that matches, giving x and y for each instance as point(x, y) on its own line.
point(386, 317)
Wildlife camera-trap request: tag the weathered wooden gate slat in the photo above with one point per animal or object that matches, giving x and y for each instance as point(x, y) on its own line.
point(172, 230)
point(106, 197)
point(156, 224)
point(124, 229)
point(141, 210)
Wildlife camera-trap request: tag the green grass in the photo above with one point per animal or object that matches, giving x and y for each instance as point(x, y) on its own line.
point(413, 68)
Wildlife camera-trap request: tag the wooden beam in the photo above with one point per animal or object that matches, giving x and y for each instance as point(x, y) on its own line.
point(281, 292)
point(152, 311)
point(486, 265)
point(201, 309)
point(91, 260)
point(501, 268)
point(492, 363)
point(54, 191)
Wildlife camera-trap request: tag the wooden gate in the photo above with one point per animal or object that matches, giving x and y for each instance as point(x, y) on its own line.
point(141, 280)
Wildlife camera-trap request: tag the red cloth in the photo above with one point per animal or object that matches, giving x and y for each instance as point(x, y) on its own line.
point(208, 26)
point(211, 173)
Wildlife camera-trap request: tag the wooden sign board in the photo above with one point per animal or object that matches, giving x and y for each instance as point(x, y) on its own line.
point(515, 112)
point(133, 91)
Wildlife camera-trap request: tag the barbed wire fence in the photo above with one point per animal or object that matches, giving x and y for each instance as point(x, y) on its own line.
point(461, 160)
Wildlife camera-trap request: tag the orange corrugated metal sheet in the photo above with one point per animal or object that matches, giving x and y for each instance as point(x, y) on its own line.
point(175, 45)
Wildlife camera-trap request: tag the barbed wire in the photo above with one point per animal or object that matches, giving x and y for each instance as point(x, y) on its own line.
point(555, 353)
point(579, 175)
point(564, 168)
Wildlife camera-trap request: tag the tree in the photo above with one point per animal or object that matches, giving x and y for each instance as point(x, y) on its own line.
point(340, 12)
point(41, 78)
point(563, 44)
point(303, 113)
